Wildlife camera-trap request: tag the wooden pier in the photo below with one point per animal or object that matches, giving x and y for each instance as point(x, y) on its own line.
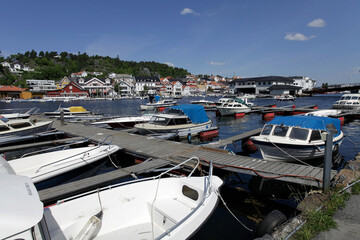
point(175, 152)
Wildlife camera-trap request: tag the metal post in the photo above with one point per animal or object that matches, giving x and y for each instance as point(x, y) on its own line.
point(327, 162)
point(62, 119)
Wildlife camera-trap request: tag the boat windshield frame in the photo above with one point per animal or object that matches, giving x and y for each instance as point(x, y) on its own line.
point(156, 120)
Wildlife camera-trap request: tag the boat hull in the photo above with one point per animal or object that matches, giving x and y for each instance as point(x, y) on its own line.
point(182, 130)
point(277, 151)
point(232, 111)
point(39, 127)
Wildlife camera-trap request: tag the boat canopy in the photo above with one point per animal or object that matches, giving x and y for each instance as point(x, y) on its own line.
point(196, 113)
point(242, 102)
point(157, 98)
point(311, 122)
point(77, 109)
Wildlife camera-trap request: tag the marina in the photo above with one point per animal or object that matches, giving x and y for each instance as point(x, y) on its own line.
point(153, 154)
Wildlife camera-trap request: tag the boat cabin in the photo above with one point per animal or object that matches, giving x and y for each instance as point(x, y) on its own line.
point(169, 119)
point(301, 128)
point(6, 125)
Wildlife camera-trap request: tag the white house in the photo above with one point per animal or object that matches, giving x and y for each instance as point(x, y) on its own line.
point(152, 84)
point(305, 82)
point(96, 86)
point(79, 74)
point(41, 85)
point(176, 88)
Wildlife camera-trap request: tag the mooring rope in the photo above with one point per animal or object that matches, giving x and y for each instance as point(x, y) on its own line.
point(289, 154)
point(223, 201)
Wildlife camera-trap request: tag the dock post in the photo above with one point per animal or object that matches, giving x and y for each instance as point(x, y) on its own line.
point(62, 120)
point(327, 162)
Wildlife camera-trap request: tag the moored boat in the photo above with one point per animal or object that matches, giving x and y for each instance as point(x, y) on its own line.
point(297, 138)
point(21, 127)
point(74, 110)
point(348, 101)
point(45, 166)
point(148, 208)
point(233, 107)
point(160, 103)
point(182, 119)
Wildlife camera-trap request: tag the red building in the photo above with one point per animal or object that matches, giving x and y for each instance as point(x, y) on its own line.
point(71, 90)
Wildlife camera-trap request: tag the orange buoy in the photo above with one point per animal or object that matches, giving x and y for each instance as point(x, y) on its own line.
point(268, 116)
point(342, 120)
point(239, 115)
point(208, 135)
point(161, 109)
point(249, 146)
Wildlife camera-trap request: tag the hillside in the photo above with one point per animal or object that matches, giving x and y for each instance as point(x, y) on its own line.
point(53, 65)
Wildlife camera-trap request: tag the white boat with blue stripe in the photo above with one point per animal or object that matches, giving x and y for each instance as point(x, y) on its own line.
point(297, 138)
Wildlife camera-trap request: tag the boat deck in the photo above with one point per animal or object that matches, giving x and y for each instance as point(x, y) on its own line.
point(175, 152)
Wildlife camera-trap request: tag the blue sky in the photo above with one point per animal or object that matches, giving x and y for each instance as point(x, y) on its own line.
point(247, 38)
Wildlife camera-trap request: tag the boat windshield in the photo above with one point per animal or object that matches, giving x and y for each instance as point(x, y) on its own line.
point(266, 130)
point(179, 121)
point(280, 131)
point(159, 120)
point(4, 119)
point(299, 133)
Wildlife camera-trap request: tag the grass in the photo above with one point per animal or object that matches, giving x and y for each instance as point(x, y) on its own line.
point(322, 220)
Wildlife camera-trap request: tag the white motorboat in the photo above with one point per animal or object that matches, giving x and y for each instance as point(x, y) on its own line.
point(125, 122)
point(324, 113)
point(159, 104)
point(233, 107)
point(208, 105)
point(182, 119)
point(148, 208)
point(14, 114)
point(75, 110)
point(221, 101)
point(348, 101)
point(21, 127)
point(45, 166)
point(297, 137)
point(285, 98)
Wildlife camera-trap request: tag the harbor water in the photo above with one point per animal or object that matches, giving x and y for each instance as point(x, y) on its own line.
point(221, 225)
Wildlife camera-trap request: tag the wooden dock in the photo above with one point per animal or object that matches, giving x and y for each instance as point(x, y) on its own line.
point(53, 194)
point(175, 152)
point(231, 140)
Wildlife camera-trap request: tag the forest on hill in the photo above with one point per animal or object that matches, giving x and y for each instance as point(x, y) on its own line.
point(54, 66)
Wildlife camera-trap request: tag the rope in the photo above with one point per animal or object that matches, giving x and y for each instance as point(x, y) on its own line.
point(223, 201)
point(289, 154)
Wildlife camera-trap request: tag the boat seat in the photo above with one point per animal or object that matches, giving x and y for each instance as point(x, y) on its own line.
point(175, 209)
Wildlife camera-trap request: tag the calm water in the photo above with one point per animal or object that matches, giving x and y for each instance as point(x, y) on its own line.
point(221, 224)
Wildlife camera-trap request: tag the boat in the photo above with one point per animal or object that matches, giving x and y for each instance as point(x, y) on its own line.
point(233, 107)
point(160, 103)
point(324, 113)
point(14, 114)
point(147, 208)
point(21, 127)
point(182, 119)
point(125, 122)
point(208, 105)
point(75, 110)
point(221, 101)
point(348, 101)
point(297, 137)
point(285, 98)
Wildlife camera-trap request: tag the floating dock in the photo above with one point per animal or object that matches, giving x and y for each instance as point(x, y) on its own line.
point(165, 152)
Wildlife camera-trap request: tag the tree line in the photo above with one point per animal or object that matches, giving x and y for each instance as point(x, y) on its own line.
point(54, 66)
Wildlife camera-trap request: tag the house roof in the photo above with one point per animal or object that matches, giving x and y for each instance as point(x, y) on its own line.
point(7, 88)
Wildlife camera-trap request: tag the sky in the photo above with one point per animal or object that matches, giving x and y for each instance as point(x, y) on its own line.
point(319, 39)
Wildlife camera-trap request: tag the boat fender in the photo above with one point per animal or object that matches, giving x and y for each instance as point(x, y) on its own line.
point(91, 228)
point(189, 137)
point(274, 219)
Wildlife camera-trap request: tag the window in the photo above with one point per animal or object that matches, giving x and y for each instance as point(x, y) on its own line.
point(266, 130)
point(20, 125)
point(3, 128)
point(70, 87)
point(280, 131)
point(315, 135)
point(159, 121)
point(190, 193)
point(299, 133)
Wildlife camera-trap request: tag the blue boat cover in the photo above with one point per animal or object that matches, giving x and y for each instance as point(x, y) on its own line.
point(310, 122)
point(157, 98)
point(196, 113)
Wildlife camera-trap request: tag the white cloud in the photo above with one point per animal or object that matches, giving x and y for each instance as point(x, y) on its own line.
point(169, 64)
point(188, 11)
point(217, 63)
point(317, 23)
point(297, 37)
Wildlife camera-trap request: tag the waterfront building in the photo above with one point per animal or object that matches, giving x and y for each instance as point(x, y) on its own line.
point(96, 86)
point(306, 83)
point(150, 84)
point(41, 86)
point(258, 84)
point(10, 91)
point(71, 90)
